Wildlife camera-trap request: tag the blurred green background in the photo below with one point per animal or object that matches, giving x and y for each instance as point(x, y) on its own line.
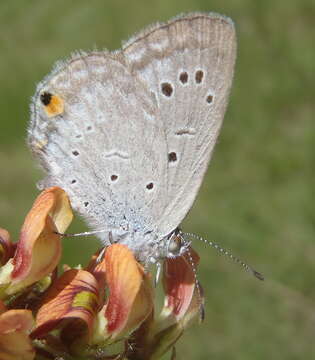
point(257, 198)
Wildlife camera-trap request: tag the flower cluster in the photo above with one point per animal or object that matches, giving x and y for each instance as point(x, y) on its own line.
point(104, 311)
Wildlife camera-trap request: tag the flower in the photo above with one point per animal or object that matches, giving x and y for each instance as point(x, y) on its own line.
point(83, 312)
point(183, 302)
point(76, 301)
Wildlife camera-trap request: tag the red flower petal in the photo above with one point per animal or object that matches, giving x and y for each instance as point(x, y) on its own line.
point(179, 282)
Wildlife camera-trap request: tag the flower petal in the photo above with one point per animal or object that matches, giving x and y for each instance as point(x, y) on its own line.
point(162, 337)
point(130, 298)
point(124, 278)
point(14, 340)
point(142, 306)
point(179, 283)
point(6, 246)
point(124, 281)
point(73, 296)
point(39, 248)
point(182, 303)
point(195, 308)
point(97, 267)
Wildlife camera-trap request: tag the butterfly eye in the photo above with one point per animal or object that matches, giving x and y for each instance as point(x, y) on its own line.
point(53, 104)
point(175, 245)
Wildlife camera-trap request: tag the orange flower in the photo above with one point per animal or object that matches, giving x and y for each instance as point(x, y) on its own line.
point(94, 320)
point(39, 249)
point(82, 312)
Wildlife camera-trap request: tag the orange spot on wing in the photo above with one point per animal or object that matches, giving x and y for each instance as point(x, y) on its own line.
point(55, 106)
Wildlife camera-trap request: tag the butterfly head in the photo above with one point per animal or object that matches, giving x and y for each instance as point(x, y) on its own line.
point(177, 244)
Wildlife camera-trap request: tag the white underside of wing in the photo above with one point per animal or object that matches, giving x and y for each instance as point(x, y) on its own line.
point(139, 126)
point(188, 64)
point(106, 150)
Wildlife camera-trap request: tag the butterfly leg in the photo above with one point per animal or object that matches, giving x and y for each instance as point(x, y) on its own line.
point(110, 238)
point(157, 274)
point(102, 253)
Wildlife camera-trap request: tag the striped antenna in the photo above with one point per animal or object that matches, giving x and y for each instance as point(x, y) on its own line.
point(86, 233)
point(224, 252)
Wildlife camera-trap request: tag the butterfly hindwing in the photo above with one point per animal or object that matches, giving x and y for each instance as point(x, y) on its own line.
point(188, 65)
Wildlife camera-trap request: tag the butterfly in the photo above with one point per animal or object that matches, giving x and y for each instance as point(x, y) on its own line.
point(129, 134)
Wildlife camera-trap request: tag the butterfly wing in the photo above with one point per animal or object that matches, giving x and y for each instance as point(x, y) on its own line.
point(136, 128)
point(102, 145)
point(188, 64)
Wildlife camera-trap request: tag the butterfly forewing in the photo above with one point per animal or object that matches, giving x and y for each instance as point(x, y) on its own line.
point(106, 148)
point(188, 65)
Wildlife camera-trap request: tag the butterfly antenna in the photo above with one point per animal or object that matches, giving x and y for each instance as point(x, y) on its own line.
point(87, 233)
point(197, 284)
point(235, 259)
